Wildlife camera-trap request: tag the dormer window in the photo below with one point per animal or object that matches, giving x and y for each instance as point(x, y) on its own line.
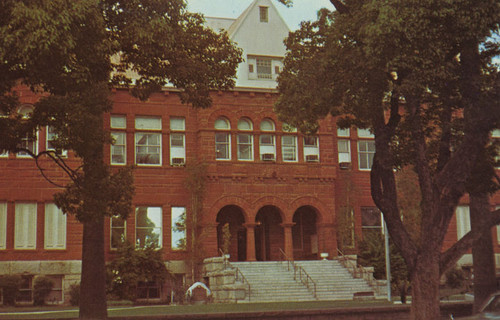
point(264, 68)
point(263, 13)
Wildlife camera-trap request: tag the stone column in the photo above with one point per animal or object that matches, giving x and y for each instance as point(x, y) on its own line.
point(287, 232)
point(250, 241)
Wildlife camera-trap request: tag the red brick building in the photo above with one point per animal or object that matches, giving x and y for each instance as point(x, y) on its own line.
point(277, 189)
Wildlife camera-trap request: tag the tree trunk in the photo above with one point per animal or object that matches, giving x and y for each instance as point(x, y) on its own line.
point(482, 251)
point(425, 286)
point(93, 282)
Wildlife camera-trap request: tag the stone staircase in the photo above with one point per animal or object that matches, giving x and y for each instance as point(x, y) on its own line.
point(271, 282)
point(333, 281)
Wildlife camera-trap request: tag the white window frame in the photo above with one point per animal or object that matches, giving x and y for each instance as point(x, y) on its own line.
point(158, 225)
point(25, 226)
point(55, 228)
point(49, 137)
point(289, 148)
point(176, 132)
point(118, 147)
point(148, 131)
point(462, 214)
point(113, 227)
point(344, 155)
point(365, 133)
point(176, 235)
point(368, 155)
point(3, 225)
point(222, 139)
point(344, 133)
point(264, 64)
point(26, 140)
point(311, 149)
point(245, 125)
point(267, 128)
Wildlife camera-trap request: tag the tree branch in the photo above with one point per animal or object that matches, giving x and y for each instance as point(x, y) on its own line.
point(455, 252)
point(340, 6)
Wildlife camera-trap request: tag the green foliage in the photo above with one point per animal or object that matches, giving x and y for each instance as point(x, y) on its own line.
point(455, 278)
point(133, 266)
point(226, 238)
point(41, 289)
point(10, 287)
point(372, 254)
point(74, 294)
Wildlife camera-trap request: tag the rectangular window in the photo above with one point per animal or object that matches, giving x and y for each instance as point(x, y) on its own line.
point(55, 227)
point(343, 133)
point(264, 70)
point(148, 290)
point(344, 147)
point(178, 235)
point(263, 14)
point(51, 136)
point(245, 147)
point(118, 231)
point(289, 148)
point(267, 147)
point(148, 227)
point(148, 144)
point(28, 143)
point(366, 152)
point(371, 221)
point(56, 294)
point(25, 293)
point(25, 226)
point(222, 146)
point(463, 221)
point(311, 149)
point(118, 122)
point(177, 141)
point(365, 133)
point(3, 225)
point(346, 227)
point(118, 148)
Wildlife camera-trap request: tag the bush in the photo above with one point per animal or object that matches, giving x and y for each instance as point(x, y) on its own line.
point(41, 289)
point(74, 294)
point(455, 278)
point(134, 266)
point(10, 288)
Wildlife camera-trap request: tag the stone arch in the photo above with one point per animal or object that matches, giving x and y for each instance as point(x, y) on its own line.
point(227, 201)
point(320, 207)
point(226, 113)
point(280, 204)
point(269, 233)
point(231, 232)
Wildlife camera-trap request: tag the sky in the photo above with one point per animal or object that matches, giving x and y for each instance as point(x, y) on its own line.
point(301, 10)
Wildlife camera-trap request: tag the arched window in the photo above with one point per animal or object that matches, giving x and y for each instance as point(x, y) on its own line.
point(267, 145)
point(245, 140)
point(222, 139)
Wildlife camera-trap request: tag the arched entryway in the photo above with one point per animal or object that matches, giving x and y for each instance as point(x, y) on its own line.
point(269, 237)
point(234, 218)
point(304, 234)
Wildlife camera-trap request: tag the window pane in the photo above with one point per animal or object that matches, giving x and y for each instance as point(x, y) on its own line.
point(118, 231)
point(310, 141)
point(222, 146)
point(177, 140)
point(222, 124)
point(178, 239)
point(244, 124)
point(264, 70)
point(263, 14)
point(118, 148)
point(148, 149)
point(365, 133)
point(463, 221)
point(289, 149)
point(148, 226)
point(55, 227)
point(343, 132)
point(118, 122)
point(267, 139)
point(178, 124)
point(267, 125)
point(366, 153)
point(245, 147)
point(148, 123)
point(25, 226)
point(3, 225)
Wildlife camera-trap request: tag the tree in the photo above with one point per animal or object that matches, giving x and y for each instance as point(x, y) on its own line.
point(412, 72)
point(72, 52)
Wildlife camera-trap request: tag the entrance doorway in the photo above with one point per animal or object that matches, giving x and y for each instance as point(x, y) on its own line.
point(233, 217)
point(269, 237)
point(304, 234)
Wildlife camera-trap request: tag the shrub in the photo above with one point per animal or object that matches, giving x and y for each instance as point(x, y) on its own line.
point(41, 289)
point(134, 266)
point(74, 294)
point(455, 278)
point(10, 287)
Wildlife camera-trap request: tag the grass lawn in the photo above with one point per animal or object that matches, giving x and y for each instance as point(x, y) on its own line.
point(51, 312)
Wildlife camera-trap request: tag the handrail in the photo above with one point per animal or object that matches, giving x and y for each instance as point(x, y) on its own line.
point(353, 269)
point(238, 275)
point(304, 277)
